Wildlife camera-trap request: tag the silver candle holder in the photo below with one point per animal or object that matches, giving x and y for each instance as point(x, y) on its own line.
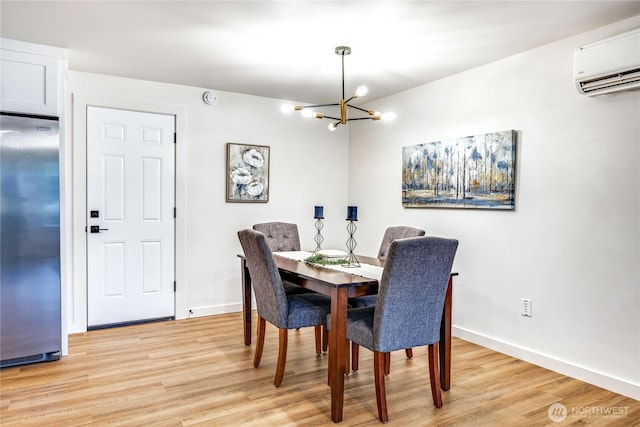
point(352, 216)
point(318, 214)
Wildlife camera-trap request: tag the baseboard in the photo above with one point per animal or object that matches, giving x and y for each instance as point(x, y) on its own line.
point(599, 379)
point(180, 314)
point(208, 310)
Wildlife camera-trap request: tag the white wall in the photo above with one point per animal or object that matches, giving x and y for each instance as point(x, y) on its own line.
point(308, 167)
point(571, 245)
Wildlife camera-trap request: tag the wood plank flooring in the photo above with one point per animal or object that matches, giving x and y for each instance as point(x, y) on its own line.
point(198, 372)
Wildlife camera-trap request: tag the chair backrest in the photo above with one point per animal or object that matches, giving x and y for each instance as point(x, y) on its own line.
point(396, 232)
point(281, 236)
point(411, 293)
point(271, 300)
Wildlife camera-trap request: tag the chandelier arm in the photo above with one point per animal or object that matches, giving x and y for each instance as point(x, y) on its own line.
point(359, 118)
point(321, 105)
point(332, 118)
point(358, 108)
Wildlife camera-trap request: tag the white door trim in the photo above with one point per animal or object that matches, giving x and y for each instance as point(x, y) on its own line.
point(77, 292)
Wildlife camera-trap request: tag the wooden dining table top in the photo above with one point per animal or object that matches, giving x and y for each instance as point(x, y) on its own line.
point(319, 278)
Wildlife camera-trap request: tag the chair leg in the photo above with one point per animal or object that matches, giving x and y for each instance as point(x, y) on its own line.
point(387, 363)
point(355, 355)
point(434, 375)
point(409, 352)
point(381, 396)
point(259, 342)
point(318, 331)
point(282, 356)
point(347, 367)
point(325, 338)
point(329, 369)
point(347, 358)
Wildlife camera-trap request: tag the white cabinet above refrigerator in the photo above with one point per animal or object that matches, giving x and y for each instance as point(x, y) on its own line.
point(31, 77)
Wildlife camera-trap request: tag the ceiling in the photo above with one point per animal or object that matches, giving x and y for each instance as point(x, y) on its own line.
point(285, 49)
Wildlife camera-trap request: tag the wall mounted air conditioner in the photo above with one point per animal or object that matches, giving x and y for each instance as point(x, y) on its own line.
point(610, 65)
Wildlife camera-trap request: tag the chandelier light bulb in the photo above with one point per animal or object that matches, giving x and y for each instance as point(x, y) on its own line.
point(361, 91)
point(388, 116)
point(307, 113)
point(333, 126)
point(287, 108)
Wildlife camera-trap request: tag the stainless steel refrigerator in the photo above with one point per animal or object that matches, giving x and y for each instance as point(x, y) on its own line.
point(30, 321)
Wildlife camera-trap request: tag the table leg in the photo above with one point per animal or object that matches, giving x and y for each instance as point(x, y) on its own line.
point(445, 340)
point(337, 350)
point(246, 301)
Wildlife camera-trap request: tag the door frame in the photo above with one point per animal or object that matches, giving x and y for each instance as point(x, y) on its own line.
point(77, 292)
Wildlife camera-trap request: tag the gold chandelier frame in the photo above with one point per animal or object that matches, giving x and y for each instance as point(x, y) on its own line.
point(343, 104)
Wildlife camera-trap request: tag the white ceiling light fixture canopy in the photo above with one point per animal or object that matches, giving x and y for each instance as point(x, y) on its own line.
point(307, 110)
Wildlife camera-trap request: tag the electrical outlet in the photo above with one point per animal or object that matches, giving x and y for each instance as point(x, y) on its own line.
point(526, 307)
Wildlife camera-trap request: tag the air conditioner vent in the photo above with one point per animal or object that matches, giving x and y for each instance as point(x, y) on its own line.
point(628, 79)
point(609, 65)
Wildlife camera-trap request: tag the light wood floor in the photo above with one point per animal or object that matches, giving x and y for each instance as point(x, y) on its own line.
point(197, 372)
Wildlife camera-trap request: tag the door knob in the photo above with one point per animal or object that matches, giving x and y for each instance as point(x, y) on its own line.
point(97, 229)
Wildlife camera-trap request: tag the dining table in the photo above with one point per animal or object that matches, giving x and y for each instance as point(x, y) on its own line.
point(340, 285)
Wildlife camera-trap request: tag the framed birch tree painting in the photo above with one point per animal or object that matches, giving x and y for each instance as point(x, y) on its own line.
point(247, 173)
point(469, 172)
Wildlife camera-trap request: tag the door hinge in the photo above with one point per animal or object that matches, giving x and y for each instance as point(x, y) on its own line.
point(174, 286)
point(175, 137)
point(174, 212)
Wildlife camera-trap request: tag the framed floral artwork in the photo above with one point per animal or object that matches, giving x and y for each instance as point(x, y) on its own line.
point(247, 173)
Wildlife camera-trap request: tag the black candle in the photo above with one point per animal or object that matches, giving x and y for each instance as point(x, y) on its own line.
point(318, 212)
point(352, 213)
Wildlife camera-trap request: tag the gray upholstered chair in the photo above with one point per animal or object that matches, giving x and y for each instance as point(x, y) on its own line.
point(390, 234)
point(409, 308)
point(396, 232)
point(273, 304)
point(284, 237)
point(281, 236)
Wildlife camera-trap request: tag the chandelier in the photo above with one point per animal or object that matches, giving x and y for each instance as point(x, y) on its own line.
point(308, 110)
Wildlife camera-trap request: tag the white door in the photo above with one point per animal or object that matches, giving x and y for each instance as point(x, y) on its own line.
point(130, 216)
